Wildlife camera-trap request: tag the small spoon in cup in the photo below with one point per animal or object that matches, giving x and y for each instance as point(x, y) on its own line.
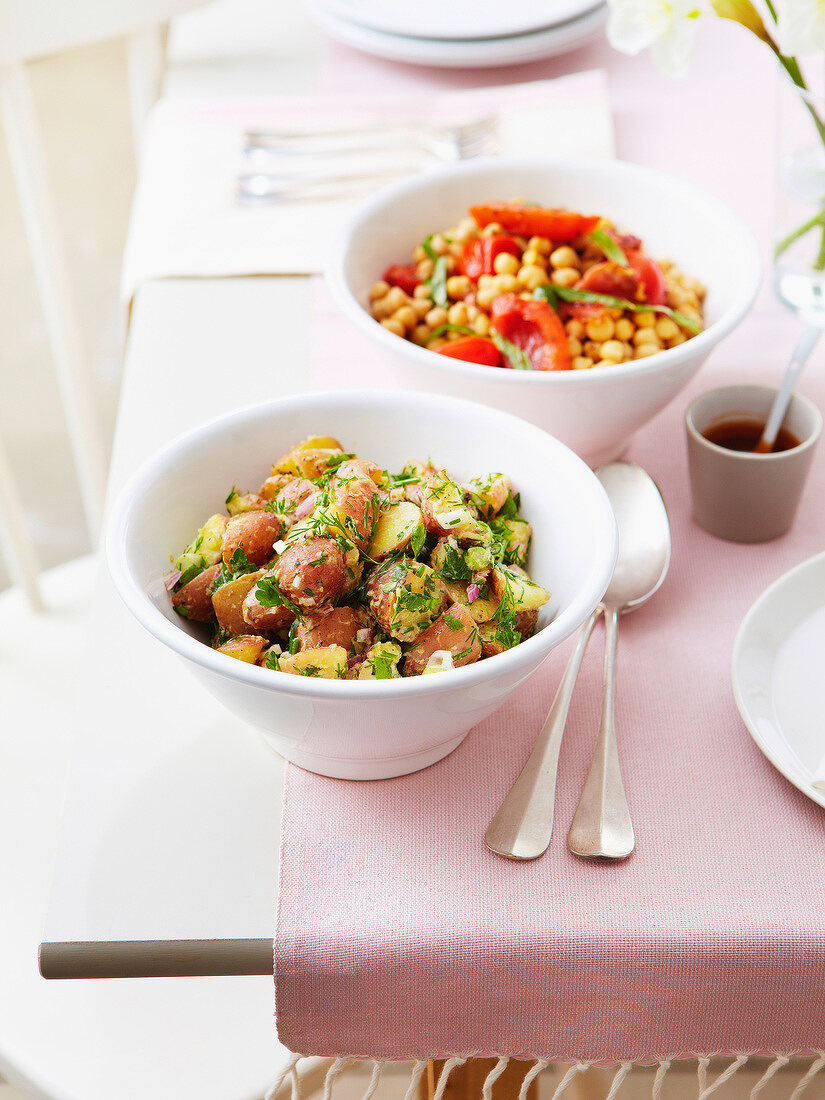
point(801, 353)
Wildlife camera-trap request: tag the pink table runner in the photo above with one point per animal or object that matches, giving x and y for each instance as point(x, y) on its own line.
point(399, 935)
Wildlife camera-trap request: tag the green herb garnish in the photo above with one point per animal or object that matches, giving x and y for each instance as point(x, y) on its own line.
point(272, 660)
point(455, 568)
point(419, 537)
point(448, 327)
point(552, 294)
point(437, 282)
point(517, 357)
point(268, 594)
point(611, 248)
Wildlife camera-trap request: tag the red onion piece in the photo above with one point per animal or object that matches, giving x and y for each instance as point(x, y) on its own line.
point(473, 592)
point(171, 579)
point(306, 505)
point(353, 661)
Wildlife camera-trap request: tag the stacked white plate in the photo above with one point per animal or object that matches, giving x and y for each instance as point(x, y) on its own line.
point(461, 33)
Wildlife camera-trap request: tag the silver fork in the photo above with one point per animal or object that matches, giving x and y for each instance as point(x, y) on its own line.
point(462, 141)
point(270, 150)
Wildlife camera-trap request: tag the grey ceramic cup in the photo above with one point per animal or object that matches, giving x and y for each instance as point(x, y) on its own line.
point(737, 495)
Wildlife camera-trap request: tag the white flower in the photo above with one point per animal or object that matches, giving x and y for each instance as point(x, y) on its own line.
point(801, 26)
point(666, 27)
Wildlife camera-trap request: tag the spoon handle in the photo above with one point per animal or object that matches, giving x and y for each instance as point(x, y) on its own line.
point(601, 824)
point(801, 353)
point(524, 823)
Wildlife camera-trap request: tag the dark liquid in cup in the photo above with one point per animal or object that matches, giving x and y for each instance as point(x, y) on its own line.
point(742, 434)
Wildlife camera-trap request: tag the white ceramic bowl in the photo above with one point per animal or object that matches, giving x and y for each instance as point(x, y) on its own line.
point(595, 412)
point(364, 729)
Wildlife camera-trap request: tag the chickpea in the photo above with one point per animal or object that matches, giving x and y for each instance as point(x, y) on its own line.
point(450, 264)
point(506, 283)
point(457, 314)
point(574, 346)
point(421, 334)
point(575, 328)
point(646, 335)
point(644, 350)
point(436, 316)
point(624, 329)
point(419, 254)
point(666, 328)
point(564, 257)
point(378, 290)
point(396, 298)
point(696, 286)
point(601, 329)
point(531, 256)
point(592, 349)
point(491, 230)
point(394, 326)
point(613, 351)
point(481, 325)
point(458, 286)
point(421, 291)
point(424, 268)
point(381, 308)
point(539, 244)
point(505, 264)
point(422, 306)
point(605, 363)
point(485, 280)
point(465, 229)
point(407, 316)
point(582, 362)
point(434, 345)
point(565, 276)
point(676, 340)
point(486, 296)
point(532, 276)
point(646, 319)
point(438, 244)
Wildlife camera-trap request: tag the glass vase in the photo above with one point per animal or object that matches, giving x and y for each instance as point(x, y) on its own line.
point(799, 234)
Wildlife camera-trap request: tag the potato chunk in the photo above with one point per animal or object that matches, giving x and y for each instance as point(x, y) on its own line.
point(525, 594)
point(481, 609)
point(353, 512)
point(394, 529)
point(404, 598)
point(454, 632)
point(445, 512)
point(381, 663)
point(262, 618)
point(516, 535)
point(193, 601)
point(311, 574)
point(253, 532)
point(339, 627)
point(523, 623)
point(326, 662)
point(228, 600)
point(205, 549)
point(247, 648)
point(304, 456)
point(489, 493)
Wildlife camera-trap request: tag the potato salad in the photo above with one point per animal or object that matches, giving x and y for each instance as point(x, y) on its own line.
point(339, 569)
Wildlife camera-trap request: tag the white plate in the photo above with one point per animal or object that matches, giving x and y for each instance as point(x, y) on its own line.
point(778, 677)
point(468, 54)
point(460, 19)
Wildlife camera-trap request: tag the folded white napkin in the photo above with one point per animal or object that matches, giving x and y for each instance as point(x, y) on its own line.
point(187, 222)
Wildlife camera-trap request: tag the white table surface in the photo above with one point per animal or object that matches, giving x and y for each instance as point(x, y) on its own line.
point(168, 853)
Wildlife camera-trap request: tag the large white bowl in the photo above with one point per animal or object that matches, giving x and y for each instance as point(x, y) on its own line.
point(595, 412)
point(364, 729)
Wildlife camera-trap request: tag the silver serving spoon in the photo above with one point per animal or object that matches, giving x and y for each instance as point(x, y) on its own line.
point(808, 340)
point(524, 823)
point(601, 824)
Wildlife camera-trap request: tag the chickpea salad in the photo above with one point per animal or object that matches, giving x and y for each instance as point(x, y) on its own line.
point(338, 569)
point(525, 287)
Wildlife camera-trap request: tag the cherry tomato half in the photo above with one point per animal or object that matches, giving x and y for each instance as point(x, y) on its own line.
point(473, 349)
point(535, 327)
point(559, 226)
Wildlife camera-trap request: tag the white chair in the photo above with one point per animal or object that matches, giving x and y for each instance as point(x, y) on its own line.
point(85, 1040)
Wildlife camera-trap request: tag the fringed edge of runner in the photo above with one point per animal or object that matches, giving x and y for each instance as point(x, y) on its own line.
point(292, 1084)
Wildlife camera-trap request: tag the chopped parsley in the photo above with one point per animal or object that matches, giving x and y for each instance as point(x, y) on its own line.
point(455, 567)
point(268, 594)
point(419, 537)
point(272, 660)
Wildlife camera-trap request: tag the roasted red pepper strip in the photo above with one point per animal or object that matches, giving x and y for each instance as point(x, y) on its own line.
point(611, 278)
point(651, 277)
point(403, 275)
point(473, 349)
point(535, 327)
point(478, 257)
point(559, 226)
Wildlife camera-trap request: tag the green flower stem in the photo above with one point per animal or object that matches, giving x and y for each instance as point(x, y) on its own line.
point(786, 242)
point(819, 265)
